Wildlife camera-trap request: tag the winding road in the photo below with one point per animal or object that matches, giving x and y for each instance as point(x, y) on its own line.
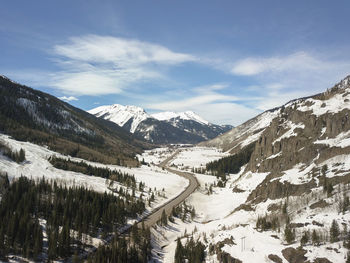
point(156, 214)
point(152, 218)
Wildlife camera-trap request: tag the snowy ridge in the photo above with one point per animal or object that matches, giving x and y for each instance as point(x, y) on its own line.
point(161, 128)
point(186, 115)
point(243, 134)
point(120, 114)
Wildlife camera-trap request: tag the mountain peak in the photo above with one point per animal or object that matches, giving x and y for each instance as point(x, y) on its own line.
point(186, 115)
point(121, 114)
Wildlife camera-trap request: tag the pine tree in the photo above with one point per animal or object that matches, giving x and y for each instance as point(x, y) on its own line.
point(289, 235)
point(348, 258)
point(334, 231)
point(315, 238)
point(164, 219)
point(305, 238)
point(21, 155)
point(179, 252)
point(38, 243)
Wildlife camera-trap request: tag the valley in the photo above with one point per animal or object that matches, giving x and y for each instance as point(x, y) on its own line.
point(273, 189)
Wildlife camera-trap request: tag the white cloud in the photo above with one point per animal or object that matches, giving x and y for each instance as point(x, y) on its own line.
point(279, 79)
point(195, 101)
point(226, 113)
point(119, 51)
point(215, 111)
point(99, 65)
point(211, 88)
point(295, 62)
point(209, 102)
point(70, 98)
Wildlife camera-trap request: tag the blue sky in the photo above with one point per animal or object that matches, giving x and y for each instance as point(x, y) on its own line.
point(225, 60)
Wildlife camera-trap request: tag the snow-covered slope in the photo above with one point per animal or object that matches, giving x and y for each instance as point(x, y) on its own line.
point(29, 114)
point(120, 114)
point(165, 127)
point(186, 115)
point(244, 134)
point(297, 180)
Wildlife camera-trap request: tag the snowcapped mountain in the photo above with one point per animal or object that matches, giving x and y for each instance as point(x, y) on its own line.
point(289, 200)
point(187, 115)
point(121, 115)
point(163, 127)
point(32, 115)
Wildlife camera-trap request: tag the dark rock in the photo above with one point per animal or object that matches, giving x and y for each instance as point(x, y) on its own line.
point(320, 204)
point(225, 257)
point(275, 258)
point(274, 207)
point(293, 255)
point(322, 260)
point(244, 207)
point(317, 223)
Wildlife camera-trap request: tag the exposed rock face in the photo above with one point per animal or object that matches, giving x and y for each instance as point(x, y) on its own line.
point(322, 260)
point(242, 135)
point(298, 139)
point(319, 204)
point(223, 256)
point(293, 255)
point(275, 258)
point(276, 190)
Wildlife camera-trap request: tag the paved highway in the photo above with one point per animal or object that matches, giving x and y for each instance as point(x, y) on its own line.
point(152, 219)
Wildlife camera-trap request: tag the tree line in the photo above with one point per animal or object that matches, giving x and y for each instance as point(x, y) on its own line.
point(133, 248)
point(231, 164)
point(16, 156)
point(84, 168)
point(70, 216)
point(193, 251)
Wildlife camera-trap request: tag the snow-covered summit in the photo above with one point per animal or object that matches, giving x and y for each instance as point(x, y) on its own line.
point(120, 114)
point(163, 127)
point(186, 115)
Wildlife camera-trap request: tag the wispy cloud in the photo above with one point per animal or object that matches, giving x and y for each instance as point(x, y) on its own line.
point(296, 61)
point(279, 79)
point(70, 98)
point(210, 101)
point(97, 65)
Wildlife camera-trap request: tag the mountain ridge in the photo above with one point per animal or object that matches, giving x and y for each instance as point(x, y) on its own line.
point(29, 114)
point(162, 128)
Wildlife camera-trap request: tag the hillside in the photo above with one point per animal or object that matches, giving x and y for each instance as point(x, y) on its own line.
point(161, 128)
point(30, 115)
point(289, 202)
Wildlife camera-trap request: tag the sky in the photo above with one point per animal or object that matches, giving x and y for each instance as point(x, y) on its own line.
point(225, 60)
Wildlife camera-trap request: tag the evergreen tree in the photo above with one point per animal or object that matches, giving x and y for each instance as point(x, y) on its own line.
point(164, 218)
point(179, 252)
point(315, 238)
point(289, 235)
point(21, 155)
point(348, 258)
point(305, 238)
point(334, 231)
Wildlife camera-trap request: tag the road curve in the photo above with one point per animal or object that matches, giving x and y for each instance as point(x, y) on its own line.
point(156, 214)
point(152, 219)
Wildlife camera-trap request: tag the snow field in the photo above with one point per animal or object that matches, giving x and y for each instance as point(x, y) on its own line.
point(37, 166)
point(156, 156)
point(216, 220)
point(196, 157)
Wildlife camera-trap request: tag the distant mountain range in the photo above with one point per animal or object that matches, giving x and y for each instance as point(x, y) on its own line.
point(163, 127)
point(31, 115)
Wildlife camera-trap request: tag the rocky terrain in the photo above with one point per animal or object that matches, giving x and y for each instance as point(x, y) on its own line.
point(290, 202)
